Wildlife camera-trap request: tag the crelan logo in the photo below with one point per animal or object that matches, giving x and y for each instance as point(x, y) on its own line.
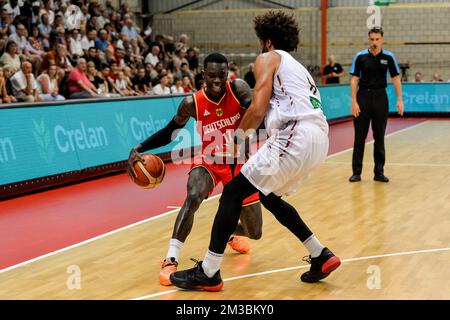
point(7, 152)
point(41, 135)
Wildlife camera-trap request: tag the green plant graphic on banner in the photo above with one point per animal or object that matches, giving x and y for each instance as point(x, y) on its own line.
point(122, 129)
point(42, 137)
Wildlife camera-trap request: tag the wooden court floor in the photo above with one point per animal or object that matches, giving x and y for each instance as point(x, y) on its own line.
point(394, 239)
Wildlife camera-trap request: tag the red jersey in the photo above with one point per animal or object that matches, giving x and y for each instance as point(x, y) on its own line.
point(217, 121)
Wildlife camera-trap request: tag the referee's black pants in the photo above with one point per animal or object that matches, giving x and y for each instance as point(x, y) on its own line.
point(374, 108)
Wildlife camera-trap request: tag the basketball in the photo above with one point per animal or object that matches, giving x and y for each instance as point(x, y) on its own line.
point(150, 173)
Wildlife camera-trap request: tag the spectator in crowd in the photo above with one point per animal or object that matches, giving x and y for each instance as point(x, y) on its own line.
point(332, 71)
point(233, 72)
point(19, 37)
point(418, 77)
point(96, 79)
point(249, 77)
point(59, 57)
point(57, 33)
point(177, 87)
point(184, 39)
point(187, 85)
point(141, 83)
point(92, 55)
point(8, 72)
point(122, 85)
point(150, 72)
point(103, 19)
point(192, 58)
point(48, 85)
point(5, 97)
point(179, 58)
point(10, 57)
point(88, 40)
point(78, 84)
point(436, 77)
point(48, 9)
point(75, 47)
point(102, 42)
point(24, 84)
point(129, 29)
point(152, 57)
point(45, 27)
point(162, 88)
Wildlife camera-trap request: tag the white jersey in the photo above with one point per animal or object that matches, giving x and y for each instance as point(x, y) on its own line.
point(298, 132)
point(295, 95)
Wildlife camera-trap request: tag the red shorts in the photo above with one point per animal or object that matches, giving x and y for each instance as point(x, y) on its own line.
point(223, 173)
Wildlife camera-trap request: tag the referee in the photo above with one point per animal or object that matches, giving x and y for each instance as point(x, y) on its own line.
point(370, 102)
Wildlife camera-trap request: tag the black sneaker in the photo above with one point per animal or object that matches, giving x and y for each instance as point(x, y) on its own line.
point(355, 178)
point(196, 278)
point(381, 178)
point(321, 266)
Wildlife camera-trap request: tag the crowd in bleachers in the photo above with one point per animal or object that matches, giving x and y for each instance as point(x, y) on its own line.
point(62, 49)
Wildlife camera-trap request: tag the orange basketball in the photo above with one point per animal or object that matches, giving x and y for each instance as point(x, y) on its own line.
point(150, 173)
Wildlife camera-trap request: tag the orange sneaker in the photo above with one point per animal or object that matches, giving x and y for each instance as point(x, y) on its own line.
point(168, 266)
point(239, 244)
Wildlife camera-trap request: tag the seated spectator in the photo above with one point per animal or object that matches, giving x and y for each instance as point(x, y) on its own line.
point(48, 85)
point(185, 72)
point(162, 88)
point(192, 58)
point(92, 55)
point(187, 85)
point(436, 77)
point(88, 41)
point(78, 84)
point(59, 57)
point(129, 29)
point(35, 47)
point(177, 88)
point(152, 57)
point(10, 56)
point(418, 77)
point(233, 72)
point(102, 42)
point(150, 72)
point(99, 82)
point(8, 73)
point(4, 96)
point(45, 26)
point(122, 85)
point(249, 77)
point(75, 47)
point(19, 38)
point(141, 83)
point(24, 84)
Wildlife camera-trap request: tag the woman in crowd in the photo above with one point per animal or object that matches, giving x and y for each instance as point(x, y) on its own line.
point(48, 85)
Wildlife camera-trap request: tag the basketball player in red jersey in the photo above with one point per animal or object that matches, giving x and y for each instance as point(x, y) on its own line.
point(219, 106)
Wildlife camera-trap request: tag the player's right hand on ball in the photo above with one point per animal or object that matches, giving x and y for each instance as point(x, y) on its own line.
point(133, 157)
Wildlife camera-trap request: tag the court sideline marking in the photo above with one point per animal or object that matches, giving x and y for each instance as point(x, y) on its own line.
point(161, 215)
point(154, 295)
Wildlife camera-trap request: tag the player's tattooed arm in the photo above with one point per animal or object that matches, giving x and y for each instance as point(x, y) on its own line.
point(243, 92)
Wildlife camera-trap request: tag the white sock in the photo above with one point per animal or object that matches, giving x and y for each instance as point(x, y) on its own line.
point(314, 246)
point(211, 263)
point(174, 248)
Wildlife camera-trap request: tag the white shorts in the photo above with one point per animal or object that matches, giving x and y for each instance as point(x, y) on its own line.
point(288, 157)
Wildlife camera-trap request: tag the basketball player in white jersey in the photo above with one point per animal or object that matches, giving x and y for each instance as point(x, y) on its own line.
point(286, 97)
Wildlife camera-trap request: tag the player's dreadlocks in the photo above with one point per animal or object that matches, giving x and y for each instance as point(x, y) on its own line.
point(280, 27)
